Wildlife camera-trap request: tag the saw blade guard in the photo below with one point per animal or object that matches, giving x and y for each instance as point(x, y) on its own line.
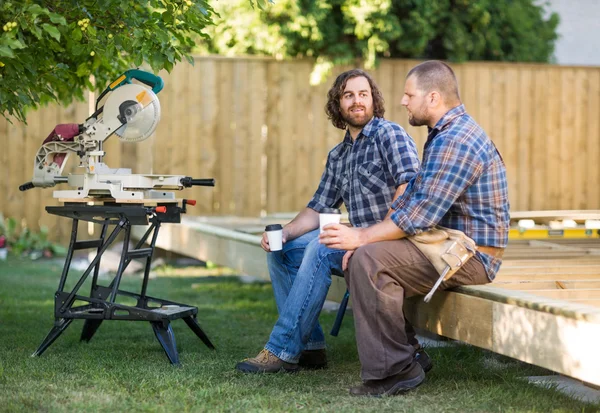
point(137, 107)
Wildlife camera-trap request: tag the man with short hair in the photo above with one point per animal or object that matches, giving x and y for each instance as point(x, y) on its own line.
point(366, 172)
point(461, 185)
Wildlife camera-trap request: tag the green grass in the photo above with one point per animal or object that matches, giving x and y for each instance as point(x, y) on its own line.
point(123, 368)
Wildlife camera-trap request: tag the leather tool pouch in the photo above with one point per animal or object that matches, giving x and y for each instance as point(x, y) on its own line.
point(447, 249)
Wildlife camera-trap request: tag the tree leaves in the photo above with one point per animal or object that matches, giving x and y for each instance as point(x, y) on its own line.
point(55, 46)
point(341, 31)
point(52, 31)
point(6, 51)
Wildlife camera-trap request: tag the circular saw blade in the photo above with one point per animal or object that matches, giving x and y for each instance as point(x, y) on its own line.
point(143, 123)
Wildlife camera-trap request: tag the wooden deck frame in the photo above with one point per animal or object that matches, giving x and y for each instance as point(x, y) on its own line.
point(554, 334)
point(520, 316)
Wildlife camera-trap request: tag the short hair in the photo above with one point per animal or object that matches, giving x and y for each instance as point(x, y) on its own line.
point(332, 108)
point(436, 75)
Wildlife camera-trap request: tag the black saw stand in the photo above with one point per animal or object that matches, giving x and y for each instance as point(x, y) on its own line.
point(101, 303)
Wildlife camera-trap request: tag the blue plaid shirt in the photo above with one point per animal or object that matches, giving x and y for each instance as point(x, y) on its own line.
point(365, 174)
point(461, 185)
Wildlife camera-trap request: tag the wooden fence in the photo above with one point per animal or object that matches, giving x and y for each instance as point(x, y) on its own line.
point(258, 127)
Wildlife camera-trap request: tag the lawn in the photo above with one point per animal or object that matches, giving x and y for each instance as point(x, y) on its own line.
point(124, 368)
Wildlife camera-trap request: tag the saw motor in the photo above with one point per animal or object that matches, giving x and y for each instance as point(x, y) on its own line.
point(126, 109)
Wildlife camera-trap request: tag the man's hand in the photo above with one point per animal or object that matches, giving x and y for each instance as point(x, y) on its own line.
point(264, 242)
point(341, 237)
point(346, 259)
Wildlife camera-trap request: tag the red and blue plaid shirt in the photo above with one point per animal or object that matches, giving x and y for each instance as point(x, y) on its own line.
point(364, 174)
point(461, 185)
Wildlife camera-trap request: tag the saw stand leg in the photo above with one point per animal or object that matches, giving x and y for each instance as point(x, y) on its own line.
point(101, 304)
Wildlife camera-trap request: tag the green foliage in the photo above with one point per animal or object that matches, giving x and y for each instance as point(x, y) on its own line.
point(50, 49)
point(341, 31)
point(26, 242)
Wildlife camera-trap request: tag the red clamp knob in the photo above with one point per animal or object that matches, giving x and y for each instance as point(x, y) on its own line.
point(160, 209)
point(191, 202)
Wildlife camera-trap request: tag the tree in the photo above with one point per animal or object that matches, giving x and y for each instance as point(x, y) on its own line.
point(49, 50)
point(340, 31)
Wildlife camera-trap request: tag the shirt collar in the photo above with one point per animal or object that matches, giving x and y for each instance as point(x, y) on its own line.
point(367, 131)
point(449, 117)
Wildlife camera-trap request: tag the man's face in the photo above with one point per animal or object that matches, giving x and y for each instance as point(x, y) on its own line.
point(415, 101)
point(356, 103)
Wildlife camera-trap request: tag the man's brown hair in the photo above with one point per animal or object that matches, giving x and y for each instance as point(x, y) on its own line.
point(436, 75)
point(332, 108)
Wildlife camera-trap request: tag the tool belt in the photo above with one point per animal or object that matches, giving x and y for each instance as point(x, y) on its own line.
point(447, 249)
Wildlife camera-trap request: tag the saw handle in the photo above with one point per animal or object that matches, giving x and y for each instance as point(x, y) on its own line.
point(155, 82)
point(189, 181)
point(26, 186)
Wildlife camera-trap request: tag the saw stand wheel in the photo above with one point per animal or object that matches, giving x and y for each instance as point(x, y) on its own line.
point(101, 304)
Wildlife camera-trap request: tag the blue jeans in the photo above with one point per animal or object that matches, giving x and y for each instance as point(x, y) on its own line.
point(301, 276)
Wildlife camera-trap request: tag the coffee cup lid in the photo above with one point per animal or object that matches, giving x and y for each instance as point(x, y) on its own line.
point(330, 211)
point(273, 227)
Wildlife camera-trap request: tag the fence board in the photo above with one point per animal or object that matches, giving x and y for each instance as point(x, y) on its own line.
point(524, 140)
point(224, 173)
point(304, 143)
point(592, 121)
point(257, 108)
point(552, 200)
point(201, 129)
point(579, 139)
point(539, 183)
point(259, 128)
point(509, 149)
point(567, 131)
point(288, 135)
point(273, 131)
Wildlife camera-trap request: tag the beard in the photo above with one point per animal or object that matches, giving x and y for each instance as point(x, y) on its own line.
point(357, 120)
point(419, 119)
point(414, 121)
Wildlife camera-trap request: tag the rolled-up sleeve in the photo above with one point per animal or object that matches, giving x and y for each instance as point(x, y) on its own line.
point(399, 151)
point(451, 167)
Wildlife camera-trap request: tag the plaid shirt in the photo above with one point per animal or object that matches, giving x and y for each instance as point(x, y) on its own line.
point(364, 174)
point(461, 185)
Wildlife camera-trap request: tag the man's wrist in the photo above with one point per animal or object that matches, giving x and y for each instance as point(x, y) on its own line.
point(363, 236)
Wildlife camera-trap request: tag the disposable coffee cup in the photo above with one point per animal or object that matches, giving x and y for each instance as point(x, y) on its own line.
point(274, 234)
point(329, 216)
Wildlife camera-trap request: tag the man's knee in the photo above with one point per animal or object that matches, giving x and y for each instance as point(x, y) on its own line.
point(361, 257)
point(316, 250)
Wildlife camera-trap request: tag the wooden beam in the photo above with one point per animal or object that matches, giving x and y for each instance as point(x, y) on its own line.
point(526, 285)
point(545, 216)
point(568, 294)
point(553, 339)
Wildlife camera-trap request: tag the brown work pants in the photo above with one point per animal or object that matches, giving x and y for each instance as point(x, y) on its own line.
point(380, 276)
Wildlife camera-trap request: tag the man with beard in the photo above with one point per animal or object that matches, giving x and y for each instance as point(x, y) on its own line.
point(366, 172)
point(461, 185)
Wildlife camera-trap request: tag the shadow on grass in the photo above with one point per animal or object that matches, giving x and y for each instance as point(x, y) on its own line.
point(124, 367)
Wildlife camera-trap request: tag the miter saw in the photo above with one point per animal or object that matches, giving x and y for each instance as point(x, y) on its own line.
point(132, 112)
point(117, 199)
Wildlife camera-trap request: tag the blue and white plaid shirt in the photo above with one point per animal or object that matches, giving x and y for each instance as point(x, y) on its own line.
point(461, 185)
point(365, 174)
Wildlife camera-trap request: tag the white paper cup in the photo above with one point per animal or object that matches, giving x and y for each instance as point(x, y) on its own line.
point(329, 216)
point(274, 235)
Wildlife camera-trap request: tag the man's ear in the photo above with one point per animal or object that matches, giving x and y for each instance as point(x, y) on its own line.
point(434, 99)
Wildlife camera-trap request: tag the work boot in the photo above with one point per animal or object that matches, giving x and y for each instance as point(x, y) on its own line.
point(408, 379)
point(266, 362)
point(423, 359)
point(313, 359)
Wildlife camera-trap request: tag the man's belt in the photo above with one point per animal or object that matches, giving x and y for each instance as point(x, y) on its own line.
point(495, 252)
